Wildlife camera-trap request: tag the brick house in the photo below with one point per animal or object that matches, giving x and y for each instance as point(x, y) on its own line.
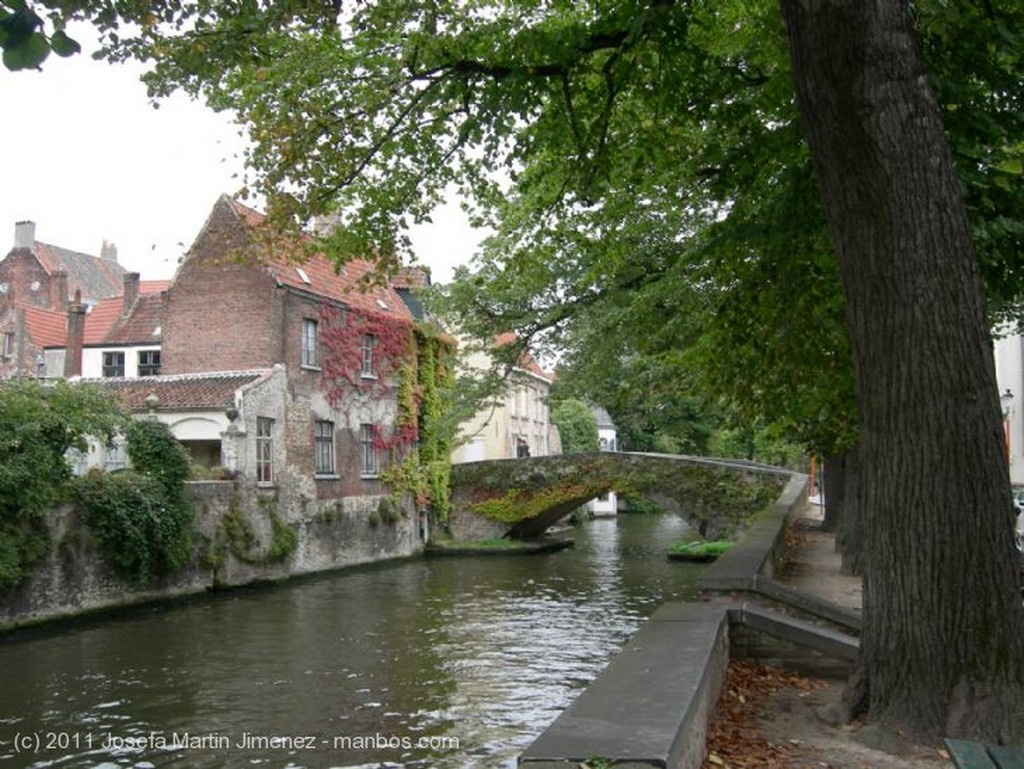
point(237, 305)
point(37, 283)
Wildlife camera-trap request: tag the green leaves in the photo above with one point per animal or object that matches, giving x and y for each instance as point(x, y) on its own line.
point(24, 43)
point(39, 426)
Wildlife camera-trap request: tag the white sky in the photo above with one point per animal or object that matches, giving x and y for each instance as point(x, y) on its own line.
point(84, 155)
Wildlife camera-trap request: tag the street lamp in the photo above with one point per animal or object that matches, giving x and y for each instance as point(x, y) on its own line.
point(1007, 400)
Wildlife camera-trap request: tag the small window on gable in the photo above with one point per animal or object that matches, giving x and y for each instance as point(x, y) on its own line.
point(8, 344)
point(310, 343)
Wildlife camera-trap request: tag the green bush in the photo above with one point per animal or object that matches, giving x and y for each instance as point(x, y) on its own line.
point(39, 425)
point(577, 427)
point(141, 536)
point(142, 517)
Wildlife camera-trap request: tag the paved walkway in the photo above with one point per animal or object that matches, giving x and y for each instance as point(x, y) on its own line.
point(813, 563)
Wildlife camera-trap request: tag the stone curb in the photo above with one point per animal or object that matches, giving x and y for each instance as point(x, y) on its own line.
point(651, 706)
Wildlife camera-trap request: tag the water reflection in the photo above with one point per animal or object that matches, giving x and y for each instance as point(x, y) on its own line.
point(475, 656)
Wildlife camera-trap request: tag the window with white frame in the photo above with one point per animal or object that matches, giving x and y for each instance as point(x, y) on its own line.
point(310, 342)
point(8, 344)
point(113, 364)
point(369, 344)
point(367, 439)
point(264, 450)
point(114, 456)
point(323, 444)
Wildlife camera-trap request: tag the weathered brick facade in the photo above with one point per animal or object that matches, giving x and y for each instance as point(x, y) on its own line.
point(233, 307)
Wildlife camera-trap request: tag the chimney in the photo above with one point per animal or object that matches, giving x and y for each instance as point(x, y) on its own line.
point(76, 337)
point(131, 291)
point(108, 252)
point(24, 234)
point(59, 290)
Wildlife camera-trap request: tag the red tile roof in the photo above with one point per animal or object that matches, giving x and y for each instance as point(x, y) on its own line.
point(319, 275)
point(46, 327)
point(214, 390)
point(526, 360)
point(142, 325)
point(104, 323)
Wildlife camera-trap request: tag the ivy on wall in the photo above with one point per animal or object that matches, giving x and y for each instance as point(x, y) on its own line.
point(414, 364)
point(40, 424)
point(142, 517)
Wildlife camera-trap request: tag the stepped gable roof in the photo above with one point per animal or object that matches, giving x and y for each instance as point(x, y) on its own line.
point(46, 327)
point(318, 274)
point(105, 323)
point(211, 390)
point(96, 278)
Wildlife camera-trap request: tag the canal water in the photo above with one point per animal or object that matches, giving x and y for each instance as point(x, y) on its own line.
point(436, 662)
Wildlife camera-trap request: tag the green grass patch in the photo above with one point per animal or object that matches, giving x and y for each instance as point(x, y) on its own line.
point(496, 543)
point(702, 547)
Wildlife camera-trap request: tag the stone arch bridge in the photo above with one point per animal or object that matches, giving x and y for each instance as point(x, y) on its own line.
point(521, 498)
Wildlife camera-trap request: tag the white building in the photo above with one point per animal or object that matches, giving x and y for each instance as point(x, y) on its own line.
point(1009, 356)
point(518, 424)
point(606, 505)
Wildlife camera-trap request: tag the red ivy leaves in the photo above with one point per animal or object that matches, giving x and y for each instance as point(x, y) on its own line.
point(343, 335)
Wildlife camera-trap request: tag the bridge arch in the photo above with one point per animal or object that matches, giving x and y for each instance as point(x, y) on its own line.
point(521, 498)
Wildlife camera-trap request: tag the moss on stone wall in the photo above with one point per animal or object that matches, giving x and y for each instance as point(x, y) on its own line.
point(715, 497)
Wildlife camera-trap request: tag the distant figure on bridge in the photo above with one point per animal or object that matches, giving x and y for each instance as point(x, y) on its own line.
point(522, 448)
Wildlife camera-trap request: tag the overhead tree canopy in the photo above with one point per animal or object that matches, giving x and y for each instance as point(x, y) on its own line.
point(653, 149)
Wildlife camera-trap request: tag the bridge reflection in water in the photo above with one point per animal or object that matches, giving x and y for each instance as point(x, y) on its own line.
point(482, 651)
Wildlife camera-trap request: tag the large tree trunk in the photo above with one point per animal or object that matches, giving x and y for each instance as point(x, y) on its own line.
point(943, 639)
point(850, 533)
point(833, 491)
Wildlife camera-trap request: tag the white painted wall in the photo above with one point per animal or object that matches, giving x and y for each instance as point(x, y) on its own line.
point(1009, 357)
point(92, 359)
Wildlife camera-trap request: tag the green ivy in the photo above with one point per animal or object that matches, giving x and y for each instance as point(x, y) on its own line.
point(142, 517)
point(237, 535)
point(39, 425)
point(425, 384)
point(519, 505)
point(142, 537)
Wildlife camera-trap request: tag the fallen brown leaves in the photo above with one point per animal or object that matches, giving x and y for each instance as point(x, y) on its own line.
point(734, 740)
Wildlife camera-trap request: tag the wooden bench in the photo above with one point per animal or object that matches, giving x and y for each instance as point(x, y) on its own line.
point(974, 755)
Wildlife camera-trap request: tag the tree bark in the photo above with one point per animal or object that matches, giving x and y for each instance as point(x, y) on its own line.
point(833, 491)
point(943, 637)
point(850, 534)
